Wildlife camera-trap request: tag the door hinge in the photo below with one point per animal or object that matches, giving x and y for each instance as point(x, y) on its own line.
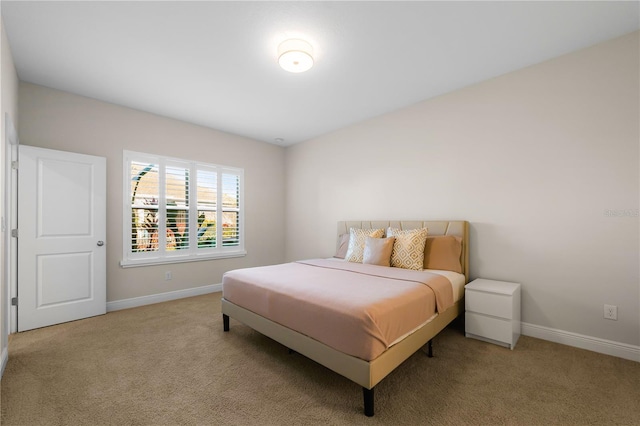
point(14, 301)
point(14, 165)
point(14, 233)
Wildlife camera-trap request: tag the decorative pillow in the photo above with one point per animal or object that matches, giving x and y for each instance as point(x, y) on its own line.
point(357, 239)
point(377, 251)
point(343, 245)
point(443, 252)
point(408, 248)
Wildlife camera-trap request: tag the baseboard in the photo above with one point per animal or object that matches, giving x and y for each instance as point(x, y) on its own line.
point(5, 358)
point(134, 302)
point(607, 347)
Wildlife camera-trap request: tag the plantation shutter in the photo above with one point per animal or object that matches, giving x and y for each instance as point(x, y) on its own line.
point(230, 209)
point(177, 207)
point(144, 196)
point(207, 207)
point(178, 210)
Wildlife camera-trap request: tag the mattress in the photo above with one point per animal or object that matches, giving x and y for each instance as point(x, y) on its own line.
point(457, 282)
point(360, 310)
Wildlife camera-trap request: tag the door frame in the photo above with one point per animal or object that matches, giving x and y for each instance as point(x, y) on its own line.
point(10, 266)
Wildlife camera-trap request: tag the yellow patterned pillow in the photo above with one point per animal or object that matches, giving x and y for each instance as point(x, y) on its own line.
point(408, 248)
point(357, 238)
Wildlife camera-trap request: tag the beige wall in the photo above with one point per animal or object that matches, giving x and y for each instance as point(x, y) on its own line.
point(63, 121)
point(531, 159)
point(9, 90)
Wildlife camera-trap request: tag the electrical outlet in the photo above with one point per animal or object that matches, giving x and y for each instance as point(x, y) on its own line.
point(167, 276)
point(611, 312)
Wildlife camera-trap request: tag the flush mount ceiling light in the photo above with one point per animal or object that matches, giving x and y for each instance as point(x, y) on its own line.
point(295, 55)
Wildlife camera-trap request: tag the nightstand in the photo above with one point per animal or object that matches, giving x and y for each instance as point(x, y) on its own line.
point(492, 311)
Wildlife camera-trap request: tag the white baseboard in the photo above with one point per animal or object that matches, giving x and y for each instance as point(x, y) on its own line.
point(608, 347)
point(5, 358)
point(134, 302)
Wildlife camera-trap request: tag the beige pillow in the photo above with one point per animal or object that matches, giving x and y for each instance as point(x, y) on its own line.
point(408, 248)
point(443, 252)
point(377, 251)
point(343, 245)
point(357, 239)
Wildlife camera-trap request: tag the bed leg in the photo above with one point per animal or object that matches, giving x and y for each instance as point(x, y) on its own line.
point(225, 322)
point(368, 401)
point(430, 348)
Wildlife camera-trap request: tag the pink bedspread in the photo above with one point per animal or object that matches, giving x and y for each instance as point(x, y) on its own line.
point(356, 308)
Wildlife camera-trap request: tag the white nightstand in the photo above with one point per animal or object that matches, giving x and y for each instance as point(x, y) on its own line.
point(492, 311)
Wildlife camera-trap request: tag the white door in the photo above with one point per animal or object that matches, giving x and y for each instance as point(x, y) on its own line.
point(61, 237)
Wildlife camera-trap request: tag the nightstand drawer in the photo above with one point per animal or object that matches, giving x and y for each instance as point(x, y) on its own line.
point(488, 327)
point(497, 305)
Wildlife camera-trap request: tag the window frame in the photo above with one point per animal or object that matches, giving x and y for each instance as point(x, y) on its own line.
point(193, 253)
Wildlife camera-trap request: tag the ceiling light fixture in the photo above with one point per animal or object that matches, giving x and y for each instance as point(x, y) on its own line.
point(295, 55)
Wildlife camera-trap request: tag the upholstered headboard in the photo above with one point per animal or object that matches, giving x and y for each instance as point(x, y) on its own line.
point(458, 228)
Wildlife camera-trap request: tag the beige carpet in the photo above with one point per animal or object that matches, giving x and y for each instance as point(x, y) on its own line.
point(171, 364)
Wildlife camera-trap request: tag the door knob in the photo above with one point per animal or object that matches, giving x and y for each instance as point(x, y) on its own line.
point(100, 243)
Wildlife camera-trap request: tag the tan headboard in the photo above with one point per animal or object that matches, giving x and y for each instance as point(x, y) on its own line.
point(458, 228)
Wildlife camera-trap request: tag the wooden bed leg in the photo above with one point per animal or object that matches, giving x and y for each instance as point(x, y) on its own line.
point(430, 348)
point(225, 322)
point(368, 401)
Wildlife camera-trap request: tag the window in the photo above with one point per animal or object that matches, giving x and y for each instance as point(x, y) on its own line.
point(180, 211)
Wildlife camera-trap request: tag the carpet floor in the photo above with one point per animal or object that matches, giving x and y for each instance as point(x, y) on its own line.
point(171, 364)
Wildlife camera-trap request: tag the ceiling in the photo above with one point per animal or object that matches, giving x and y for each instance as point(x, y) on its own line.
point(214, 63)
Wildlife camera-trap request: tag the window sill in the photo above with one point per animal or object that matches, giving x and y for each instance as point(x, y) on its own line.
point(133, 263)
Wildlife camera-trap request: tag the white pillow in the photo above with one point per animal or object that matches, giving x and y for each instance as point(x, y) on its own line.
point(357, 238)
point(377, 251)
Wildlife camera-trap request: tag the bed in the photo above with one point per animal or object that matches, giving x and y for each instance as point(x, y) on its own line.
point(249, 296)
